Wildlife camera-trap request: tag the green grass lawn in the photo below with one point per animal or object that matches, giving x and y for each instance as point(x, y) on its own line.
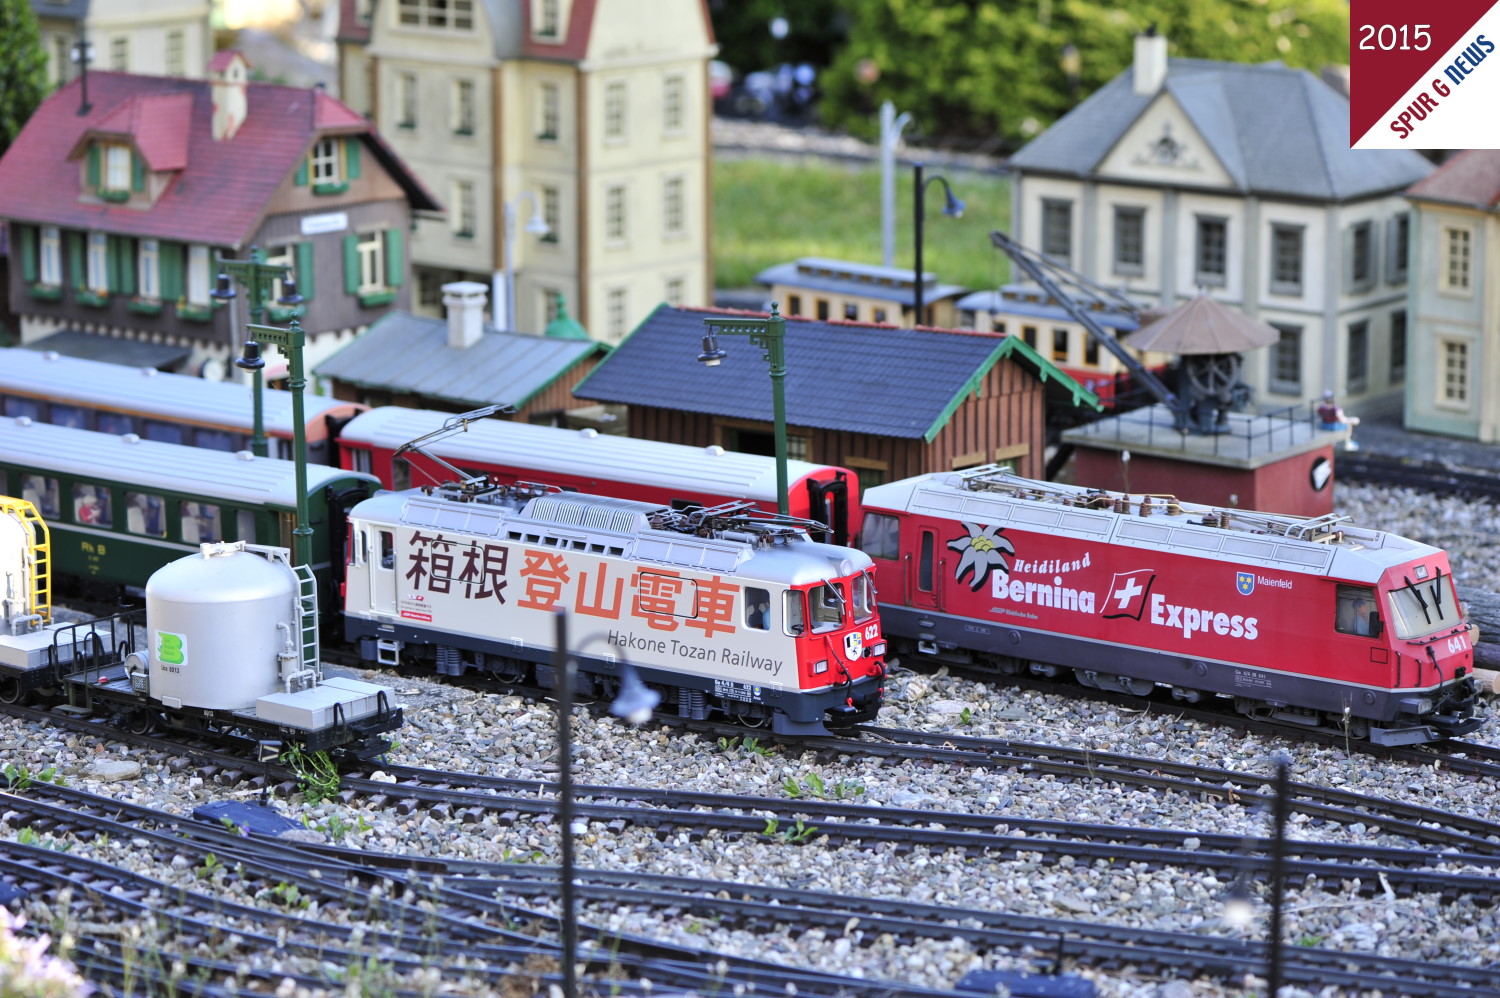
point(768, 212)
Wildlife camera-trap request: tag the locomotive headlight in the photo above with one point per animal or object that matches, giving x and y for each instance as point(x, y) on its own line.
point(1424, 705)
point(820, 667)
point(877, 649)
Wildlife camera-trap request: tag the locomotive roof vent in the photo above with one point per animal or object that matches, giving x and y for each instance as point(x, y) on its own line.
point(624, 516)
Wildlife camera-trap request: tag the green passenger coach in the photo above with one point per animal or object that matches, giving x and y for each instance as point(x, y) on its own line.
point(121, 507)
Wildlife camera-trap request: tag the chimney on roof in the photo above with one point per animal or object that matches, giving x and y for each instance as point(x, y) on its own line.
point(229, 74)
point(1150, 62)
point(464, 301)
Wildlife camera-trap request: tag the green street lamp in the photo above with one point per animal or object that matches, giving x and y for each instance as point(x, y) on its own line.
point(290, 342)
point(257, 277)
point(953, 207)
point(770, 335)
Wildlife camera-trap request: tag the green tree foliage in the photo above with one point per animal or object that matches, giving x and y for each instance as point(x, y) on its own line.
point(23, 68)
point(993, 71)
point(815, 32)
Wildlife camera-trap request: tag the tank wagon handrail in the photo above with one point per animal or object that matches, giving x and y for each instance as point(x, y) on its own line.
point(1000, 479)
point(85, 646)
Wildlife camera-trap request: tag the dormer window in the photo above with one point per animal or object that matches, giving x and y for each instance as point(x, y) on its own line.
point(549, 19)
point(331, 165)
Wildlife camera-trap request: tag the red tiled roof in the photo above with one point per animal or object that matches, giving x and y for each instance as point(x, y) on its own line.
point(223, 58)
point(223, 188)
point(1472, 177)
point(159, 125)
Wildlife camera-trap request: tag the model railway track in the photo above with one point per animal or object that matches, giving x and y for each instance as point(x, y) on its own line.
point(472, 897)
point(424, 920)
point(1424, 476)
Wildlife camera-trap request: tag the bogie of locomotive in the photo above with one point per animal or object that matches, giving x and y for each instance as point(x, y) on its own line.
point(1312, 622)
point(226, 644)
point(731, 612)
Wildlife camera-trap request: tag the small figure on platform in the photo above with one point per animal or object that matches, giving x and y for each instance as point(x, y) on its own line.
point(1331, 417)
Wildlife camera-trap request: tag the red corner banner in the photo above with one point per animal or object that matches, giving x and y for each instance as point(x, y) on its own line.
point(1421, 76)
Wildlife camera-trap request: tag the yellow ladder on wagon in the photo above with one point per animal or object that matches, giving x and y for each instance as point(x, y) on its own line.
point(38, 555)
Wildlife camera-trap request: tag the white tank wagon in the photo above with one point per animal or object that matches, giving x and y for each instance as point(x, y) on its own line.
point(732, 611)
point(227, 645)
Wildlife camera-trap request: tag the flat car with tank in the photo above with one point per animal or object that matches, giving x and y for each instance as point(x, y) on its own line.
point(226, 645)
point(1312, 622)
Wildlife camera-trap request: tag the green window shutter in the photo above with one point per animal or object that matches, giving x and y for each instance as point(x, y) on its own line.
point(113, 258)
point(75, 261)
point(26, 236)
point(351, 264)
point(301, 179)
point(395, 262)
point(137, 172)
point(93, 173)
point(122, 264)
point(351, 158)
point(305, 270)
point(170, 261)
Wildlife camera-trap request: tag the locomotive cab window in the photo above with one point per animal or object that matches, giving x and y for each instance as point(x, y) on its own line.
point(199, 522)
point(1357, 612)
point(91, 505)
point(880, 536)
point(864, 597)
point(387, 549)
point(924, 562)
point(827, 605)
point(145, 514)
point(757, 608)
point(41, 492)
point(795, 617)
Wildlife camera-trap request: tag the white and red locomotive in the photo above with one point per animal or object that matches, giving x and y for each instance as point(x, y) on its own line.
point(1309, 621)
point(735, 611)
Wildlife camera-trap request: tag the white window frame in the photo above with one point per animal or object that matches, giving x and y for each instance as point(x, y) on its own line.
point(116, 166)
point(49, 256)
point(97, 262)
point(1456, 273)
point(465, 209)
point(464, 118)
point(197, 276)
point(551, 214)
point(549, 112)
point(674, 206)
point(1454, 352)
point(148, 270)
point(1201, 275)
point(176, 60)
point(674, 290)
point(616, 117)
point(406, 99)
point(1282, 285)
point(284, 257)
point(323, 163)
point(119, 53)
point(1121, 266)
point(437, 15)
point(616, 310)
point(371, 248)
point(674, 104)
point(548, 25)
point(616, 215)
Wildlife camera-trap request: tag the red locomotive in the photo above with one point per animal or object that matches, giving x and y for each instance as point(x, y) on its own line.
point(1309, 621)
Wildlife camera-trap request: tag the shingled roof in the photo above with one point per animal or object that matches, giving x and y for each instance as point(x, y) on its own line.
point(1275, 130)
point(407, 353)
point(877, 380)
point(1471, 178)
point(219, 191)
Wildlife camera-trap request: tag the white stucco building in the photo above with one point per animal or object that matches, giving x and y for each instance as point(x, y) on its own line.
point(1183, 174)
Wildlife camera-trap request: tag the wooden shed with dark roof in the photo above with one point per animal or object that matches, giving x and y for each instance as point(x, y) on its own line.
point(886, 402)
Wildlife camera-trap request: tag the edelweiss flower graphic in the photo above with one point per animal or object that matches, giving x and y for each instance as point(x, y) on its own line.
point(984, 551)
